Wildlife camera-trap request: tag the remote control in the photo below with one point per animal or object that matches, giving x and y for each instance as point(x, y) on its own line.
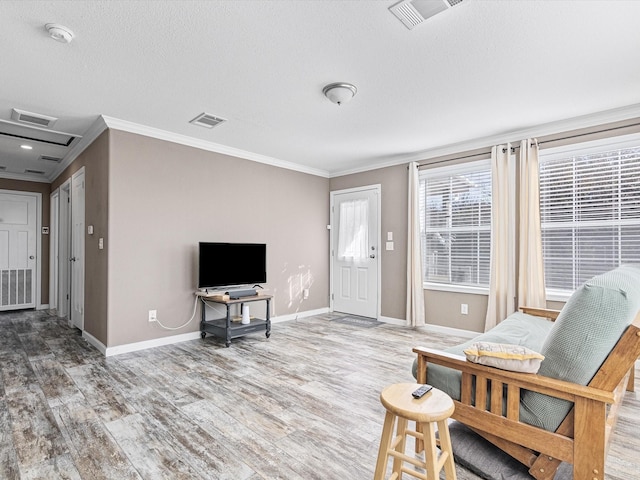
point(421, 391)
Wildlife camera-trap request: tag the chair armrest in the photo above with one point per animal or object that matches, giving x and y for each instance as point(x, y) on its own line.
point(527, 381)
point(541, 312)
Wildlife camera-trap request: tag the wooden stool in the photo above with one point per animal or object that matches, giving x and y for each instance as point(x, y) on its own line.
point(433, 408)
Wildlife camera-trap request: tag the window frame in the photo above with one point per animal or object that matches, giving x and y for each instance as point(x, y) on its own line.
point(481, 164)
point(577, 150)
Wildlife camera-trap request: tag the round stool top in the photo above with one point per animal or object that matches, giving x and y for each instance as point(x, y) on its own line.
point(432, 407)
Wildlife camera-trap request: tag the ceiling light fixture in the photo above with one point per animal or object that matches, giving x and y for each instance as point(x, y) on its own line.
point(340, 92)
point(26, 147)
point(59, 32)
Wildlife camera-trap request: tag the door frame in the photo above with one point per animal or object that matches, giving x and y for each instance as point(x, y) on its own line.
point(38, 282)
point(63, 241)
point(54, 238)
point(82, 247)
point(377, 190)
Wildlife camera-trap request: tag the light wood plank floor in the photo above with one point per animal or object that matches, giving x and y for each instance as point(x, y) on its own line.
point(300, 405)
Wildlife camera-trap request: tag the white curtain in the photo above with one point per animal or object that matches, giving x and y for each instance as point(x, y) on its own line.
point(531, 291)
point(415, 291)
point(353, 233)
point(502, 277)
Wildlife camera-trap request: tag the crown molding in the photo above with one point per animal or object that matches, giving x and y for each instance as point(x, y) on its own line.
point(559, 126)
point(139, 129)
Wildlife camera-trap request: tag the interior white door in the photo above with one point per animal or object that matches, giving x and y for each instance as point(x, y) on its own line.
point(77, 249)
point(18, 225)
point(355, 252)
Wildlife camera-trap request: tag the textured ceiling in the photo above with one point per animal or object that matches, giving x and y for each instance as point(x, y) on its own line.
point(481, 69)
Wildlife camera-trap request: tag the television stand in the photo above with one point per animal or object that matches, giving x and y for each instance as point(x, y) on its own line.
point(225, 328)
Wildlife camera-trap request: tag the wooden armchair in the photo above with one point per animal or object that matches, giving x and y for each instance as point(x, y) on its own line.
point(581, 439)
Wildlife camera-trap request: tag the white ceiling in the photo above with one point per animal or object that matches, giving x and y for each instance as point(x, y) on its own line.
point(479, 70)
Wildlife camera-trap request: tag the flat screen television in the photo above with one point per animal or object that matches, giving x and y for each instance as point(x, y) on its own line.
point(231, 264)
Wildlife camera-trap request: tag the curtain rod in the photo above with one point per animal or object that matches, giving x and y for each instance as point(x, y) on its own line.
point(539, 142)
point(578, 135)
point(480, 154)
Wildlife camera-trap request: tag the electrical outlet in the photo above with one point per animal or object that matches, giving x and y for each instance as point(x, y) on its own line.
point(305, 294)
point(153, 315)
point(464, 309)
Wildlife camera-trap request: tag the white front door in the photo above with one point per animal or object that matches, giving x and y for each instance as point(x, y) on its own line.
point(18, 243)
point(355, 251)
point(77, 249)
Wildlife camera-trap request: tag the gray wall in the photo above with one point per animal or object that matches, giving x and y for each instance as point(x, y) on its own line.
point(164, 198)
point(95, 159)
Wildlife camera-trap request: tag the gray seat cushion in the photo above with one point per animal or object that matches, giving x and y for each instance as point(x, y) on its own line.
point(517, 329)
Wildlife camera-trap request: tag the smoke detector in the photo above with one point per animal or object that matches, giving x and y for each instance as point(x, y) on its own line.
point(59, 32)
point(413, 12)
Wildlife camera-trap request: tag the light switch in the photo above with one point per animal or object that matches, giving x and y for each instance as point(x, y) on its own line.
point(389, 246)
point(90, 230)
point(100, 243)
point(389, 236)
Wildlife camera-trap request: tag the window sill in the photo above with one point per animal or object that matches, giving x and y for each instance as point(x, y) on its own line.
point(558, 295)
point(442, 287)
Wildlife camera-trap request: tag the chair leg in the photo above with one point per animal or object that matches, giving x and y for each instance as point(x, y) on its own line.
point(430, 450)
point(419, 442)
point(402, 441)
point(385, 441)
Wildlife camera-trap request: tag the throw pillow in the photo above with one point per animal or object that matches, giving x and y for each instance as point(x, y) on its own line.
point(504, 356)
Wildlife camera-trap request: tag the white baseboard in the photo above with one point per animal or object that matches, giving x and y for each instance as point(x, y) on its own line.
point(156, 342)
point(298, 315)
point(452, 331)
point(393, 321)
point(94, 341)
point(43, 306)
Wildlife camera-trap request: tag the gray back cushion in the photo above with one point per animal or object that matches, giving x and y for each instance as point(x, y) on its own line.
point(584, 333)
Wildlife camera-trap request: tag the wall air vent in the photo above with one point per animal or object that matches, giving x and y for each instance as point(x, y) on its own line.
point(207, 120)
point(32, 118)
point(413, 12)
point(35, 134)
point(37, 172)
point(49, 158)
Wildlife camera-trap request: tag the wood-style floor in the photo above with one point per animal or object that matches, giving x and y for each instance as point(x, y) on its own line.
point(300, 405)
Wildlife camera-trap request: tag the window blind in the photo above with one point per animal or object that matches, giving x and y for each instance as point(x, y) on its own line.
point(590, 214)
point(455, 224)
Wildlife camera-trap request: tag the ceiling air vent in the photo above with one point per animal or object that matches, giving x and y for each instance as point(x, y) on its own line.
point(413, 12)
point(32, 118)
point(37, 172)
point(207, 120)
point(49, 158)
